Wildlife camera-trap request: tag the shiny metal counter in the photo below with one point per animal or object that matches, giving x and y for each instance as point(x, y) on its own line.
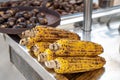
point(32, 70)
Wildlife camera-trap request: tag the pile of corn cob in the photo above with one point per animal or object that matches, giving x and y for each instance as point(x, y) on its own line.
point(38, 39)
point(62, 50)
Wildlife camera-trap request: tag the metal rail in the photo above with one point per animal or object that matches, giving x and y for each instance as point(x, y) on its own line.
point(95, 14)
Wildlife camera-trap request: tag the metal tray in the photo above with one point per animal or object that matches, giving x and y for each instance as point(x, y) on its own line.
point(33, 70)
point(52, 16)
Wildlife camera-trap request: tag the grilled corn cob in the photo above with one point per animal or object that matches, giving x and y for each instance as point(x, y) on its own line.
point(44, 34)
point(46, 56)
point(39, 48)
point(75, 64)
point(65, 47)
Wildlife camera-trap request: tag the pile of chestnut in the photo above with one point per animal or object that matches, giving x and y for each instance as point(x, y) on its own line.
point(15, 18)
point(22, 3)
point(63, 7)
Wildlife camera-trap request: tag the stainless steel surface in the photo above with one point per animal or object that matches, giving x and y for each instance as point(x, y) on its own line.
point(87, 20)
point(25, 69)
point(109, 39)
point(7, 70)
point(22, 52)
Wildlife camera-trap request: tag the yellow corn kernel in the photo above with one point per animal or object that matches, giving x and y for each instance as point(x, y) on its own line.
point(75, 64)
point(46, 56)
point(39, 48)
point(49, 34)
point(65, 47)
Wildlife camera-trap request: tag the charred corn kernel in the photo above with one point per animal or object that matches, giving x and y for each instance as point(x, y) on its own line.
point(75, 64)
point(46, 56)
point(65, 47)
point(49, 34)
point(39, 47)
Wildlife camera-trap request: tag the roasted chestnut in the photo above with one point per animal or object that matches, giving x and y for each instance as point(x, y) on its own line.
point(41, 14)
point(33, 19)
point(6, 16)
point(43, 21)
point(14, 5)
point(26, 15)
point(12, 19)
point(48, 4)
point(1, 13)
point(11, 23)
point(36, 3)
point(1, 20)
point(28, 22)
point(22, 19)
point(11, 11)
point(3, 26)
point(56, 5)
point(23, 24)
point(72, 1)
point(18, 15)
point(35, 12)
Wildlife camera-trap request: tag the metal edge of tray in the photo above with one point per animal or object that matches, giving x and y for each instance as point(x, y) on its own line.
point(22, 52)
point(67, 19)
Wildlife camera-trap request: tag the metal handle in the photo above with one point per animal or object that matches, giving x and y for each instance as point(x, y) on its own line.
point(87, 20)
